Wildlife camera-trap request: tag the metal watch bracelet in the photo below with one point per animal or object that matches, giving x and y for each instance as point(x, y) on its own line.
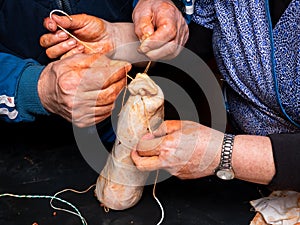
point(224, 169)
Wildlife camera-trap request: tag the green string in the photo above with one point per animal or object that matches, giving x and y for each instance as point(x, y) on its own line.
point(48, 197)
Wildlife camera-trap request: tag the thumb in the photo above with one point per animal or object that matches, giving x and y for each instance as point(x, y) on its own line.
point(168, 127)
point(149, 145)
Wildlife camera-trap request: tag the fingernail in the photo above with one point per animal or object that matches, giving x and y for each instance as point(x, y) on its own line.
point(144, 49)
point(146, 35)
point(62, 34)
point(51, 26)
point(148, 136)
point(80, 47)
point(71, 42)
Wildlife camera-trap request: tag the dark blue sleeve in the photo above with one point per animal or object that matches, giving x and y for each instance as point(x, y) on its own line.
point(19, 100)
point(134, 3)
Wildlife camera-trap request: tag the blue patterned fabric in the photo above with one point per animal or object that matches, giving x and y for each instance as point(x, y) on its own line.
point(242, 46)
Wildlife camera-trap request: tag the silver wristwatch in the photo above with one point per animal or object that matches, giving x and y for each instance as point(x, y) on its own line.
point(224, 170)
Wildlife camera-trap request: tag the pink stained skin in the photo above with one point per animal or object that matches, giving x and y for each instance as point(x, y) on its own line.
point(82, 88)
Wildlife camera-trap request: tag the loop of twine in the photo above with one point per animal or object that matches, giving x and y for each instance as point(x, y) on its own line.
point(71, 35)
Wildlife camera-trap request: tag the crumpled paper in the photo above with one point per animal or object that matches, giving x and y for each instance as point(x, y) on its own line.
point(280, 208)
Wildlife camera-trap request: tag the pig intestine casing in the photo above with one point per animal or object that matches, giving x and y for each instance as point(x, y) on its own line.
point(120, 184)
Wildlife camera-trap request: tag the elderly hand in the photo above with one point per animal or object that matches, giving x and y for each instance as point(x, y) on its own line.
point(186, 149)
point(82, 88)
point(161, 28)
point(99, 35)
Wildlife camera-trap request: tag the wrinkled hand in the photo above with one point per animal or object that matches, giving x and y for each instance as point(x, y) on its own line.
point(99, 35)
point(185, 149)
point(82, 88)
point(161, 28)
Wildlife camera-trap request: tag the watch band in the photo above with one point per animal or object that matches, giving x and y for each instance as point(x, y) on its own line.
point(224, 169)
point(226, 154)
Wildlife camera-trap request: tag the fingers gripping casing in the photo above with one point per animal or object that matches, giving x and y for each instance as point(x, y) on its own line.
point(120, 184)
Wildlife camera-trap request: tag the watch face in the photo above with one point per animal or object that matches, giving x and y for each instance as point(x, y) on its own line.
point(225, 174)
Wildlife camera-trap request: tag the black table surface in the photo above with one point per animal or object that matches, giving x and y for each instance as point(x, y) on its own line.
point(42, 158)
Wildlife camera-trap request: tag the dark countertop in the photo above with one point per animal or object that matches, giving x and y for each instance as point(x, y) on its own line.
point(42, 158)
